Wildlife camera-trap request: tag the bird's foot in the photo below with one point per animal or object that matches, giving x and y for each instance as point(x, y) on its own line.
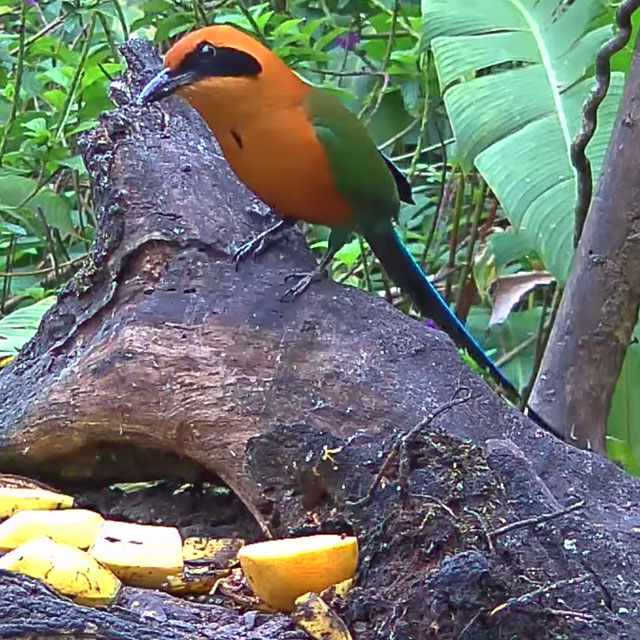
point(253, 248)
point(305, 280)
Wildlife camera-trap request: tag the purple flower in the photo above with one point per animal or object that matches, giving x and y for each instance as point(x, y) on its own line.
point(431, 324)
point(348, 40)
point(31, 2)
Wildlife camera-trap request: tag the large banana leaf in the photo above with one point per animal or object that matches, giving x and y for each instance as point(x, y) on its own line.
point(515, 74)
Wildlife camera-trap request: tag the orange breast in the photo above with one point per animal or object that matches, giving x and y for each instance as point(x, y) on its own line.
point(267, 139)
point(279, 158)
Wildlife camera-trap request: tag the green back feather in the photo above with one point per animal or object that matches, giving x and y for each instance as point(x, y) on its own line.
point(360, 172)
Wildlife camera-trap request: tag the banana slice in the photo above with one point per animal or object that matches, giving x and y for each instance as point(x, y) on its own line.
point(77, 527)
point(15, 499)
point(312, 614)
point(66, 569)
point(140, 555)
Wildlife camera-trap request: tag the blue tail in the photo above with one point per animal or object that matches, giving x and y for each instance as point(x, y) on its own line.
point(407, 274)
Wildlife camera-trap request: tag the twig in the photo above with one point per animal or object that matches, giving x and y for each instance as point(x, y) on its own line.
point(110, 41)
point(7, 275)
point(42, 272)
point(518, 349)
point(475, 223)
point(365, 264)
point(535, 520)
point(254, 25)
point(542, 337)
point(424, 119)
point(122, 19)
point(199, 15)
point(402, 439)
point(75, 80)
point(527, 597)
point(17, 84)
point(380, 90)
point(470, 623)
point(36, 36)
point(400, 134)
point(442, 200)
point(578, 615)
point(50, 243)
point(453, 243)
point(483, 526)
point(579, 158)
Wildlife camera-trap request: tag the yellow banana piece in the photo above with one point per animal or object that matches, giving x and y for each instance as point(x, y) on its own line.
point(77, 527)
point(13, 500)
point(66, 569)
point(140, 555)
point(314, 615)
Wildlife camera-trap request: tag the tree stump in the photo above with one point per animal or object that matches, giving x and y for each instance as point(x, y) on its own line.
point(334, 413)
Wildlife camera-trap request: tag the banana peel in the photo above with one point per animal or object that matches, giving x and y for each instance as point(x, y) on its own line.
point(206, 561)
point(338, 591)
point(140, 555)
point(219, 553)
point(15, 499)
point(279, 571)
point(66, 569)
point(314, 615)
point(76, 527)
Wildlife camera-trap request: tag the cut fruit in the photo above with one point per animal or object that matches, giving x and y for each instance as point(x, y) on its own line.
point(77, 527)
point(15, 499)
point(194, 582)
point(320, 621)
point(140, 555)
point(219, 553)
point(279, 571)
point(66, 569)
point(206, 560)
point(339, 590)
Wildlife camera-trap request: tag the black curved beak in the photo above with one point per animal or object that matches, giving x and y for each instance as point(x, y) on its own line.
point(164, 84)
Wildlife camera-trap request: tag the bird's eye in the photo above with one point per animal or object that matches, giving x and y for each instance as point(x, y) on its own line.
point(206, 50)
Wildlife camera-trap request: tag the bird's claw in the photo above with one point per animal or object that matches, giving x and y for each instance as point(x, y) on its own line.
point(305, 279)
point(252, 248)
point(261, 242)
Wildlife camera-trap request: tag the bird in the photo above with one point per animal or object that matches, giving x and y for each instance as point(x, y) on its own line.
point(306, 155)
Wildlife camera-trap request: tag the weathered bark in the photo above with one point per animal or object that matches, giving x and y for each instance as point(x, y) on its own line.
point(599, 307)
point(30, 610)
point(160, 359)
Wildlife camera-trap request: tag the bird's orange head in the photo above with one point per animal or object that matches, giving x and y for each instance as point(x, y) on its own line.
point(219, 64)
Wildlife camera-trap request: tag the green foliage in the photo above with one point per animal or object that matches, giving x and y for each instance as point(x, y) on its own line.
point(528, 63)
point(17, 328)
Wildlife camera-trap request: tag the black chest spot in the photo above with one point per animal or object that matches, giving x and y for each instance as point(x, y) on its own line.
point(236, 136)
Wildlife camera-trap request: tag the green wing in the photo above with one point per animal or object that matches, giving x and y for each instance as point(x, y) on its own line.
point(360, 171)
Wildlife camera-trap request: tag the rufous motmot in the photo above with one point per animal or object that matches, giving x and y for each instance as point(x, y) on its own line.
point(304, 154)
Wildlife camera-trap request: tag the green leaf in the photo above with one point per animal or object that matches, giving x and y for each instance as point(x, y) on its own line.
point(516, 120)
point(624, 416)
point(18, 327)
point(12, 229)
point(14, 190)
point(55, 208)
point(517, 335)
point(73, 162)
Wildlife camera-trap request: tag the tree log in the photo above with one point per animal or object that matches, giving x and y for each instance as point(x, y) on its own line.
point(334, 413)
point(599, 307)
